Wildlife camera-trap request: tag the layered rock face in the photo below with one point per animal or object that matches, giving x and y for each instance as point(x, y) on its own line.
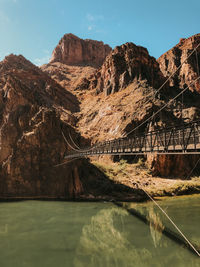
point(72, 50)
point(181, 166)
point(189, 71)
point(75, 59)
point(120, 95)
point(124, 64)
point(113, 105)
point(31, 142)
point(33, 111)
point(114, 99)
point(68, 76)
point(169, 62)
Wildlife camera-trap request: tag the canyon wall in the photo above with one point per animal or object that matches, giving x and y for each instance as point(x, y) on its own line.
point(73, 50)
point(124, 64)
point(170, 61)
point(102, 104)
point(35, 111)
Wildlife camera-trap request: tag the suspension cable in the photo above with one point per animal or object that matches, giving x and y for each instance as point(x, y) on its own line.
point(167, 216)
point(77, 150)
point(197, 62)
point(186, 239)
point(193, 168)
point(69, 143)
point(159, 89)
point(66, 162)
point(73, 142)
point(170, 101)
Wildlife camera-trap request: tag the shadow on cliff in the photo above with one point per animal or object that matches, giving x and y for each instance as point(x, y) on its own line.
point(89, 183)
point(174, 166)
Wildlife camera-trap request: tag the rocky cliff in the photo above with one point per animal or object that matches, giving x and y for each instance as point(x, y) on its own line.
point(122, 66)
point(112, 100)
point(190, 69)
point(121, 95)
point(31, 143)
point(73, 50)
point(33, 111)
point(187, 73)
point(68, 76)
point(75, 59)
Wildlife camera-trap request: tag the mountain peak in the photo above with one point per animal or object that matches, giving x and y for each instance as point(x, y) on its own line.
point(73, 50)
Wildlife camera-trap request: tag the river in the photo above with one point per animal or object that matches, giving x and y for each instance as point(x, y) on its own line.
point(59, 234)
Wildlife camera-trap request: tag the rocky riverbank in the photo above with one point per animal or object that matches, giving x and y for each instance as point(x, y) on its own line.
point(138, 176)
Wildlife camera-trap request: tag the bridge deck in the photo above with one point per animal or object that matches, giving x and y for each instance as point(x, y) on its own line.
point(176, 140)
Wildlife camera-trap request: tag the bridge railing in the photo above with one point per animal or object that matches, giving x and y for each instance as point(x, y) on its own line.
point(182, 139)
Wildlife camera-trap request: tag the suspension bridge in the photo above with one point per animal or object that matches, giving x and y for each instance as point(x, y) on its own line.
point(175, 140)
point(180, 139)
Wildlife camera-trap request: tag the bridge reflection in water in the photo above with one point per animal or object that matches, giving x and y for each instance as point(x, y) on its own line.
point(183, 139)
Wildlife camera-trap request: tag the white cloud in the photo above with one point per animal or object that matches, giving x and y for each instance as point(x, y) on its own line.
point(41, 61)
point(44, 59)
point(99, 17)
point(46, 51)
point(93, 21)
point(4, 19)
point(91, 17)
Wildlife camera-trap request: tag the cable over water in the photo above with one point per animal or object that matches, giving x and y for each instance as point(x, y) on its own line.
point(166, 215)
point(164, 106)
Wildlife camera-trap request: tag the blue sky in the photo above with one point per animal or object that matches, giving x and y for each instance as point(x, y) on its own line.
point(34, 27)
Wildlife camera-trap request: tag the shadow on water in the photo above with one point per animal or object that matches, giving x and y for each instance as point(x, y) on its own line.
point(157, 228)
point(37, 233)
point(108, 236)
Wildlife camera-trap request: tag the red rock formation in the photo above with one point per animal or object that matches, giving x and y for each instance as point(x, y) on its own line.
point(67, 76)
point(181, 166)
point(116, 98)
point(120, 95)
point(31, 104)
point(72, 50)
point(172, 59)
point(33, 109)
point(124, 64)
point(129, 102)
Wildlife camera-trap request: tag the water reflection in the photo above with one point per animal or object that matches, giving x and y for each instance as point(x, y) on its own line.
point(156, 226)
point(151, 217)
point(104, 242)
point(95, 234)
point(4, 229)
point(163, 246)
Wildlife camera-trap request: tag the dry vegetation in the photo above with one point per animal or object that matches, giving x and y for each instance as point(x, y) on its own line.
point(137, 175)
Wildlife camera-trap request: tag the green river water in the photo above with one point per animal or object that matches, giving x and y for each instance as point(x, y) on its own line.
point(59, 234)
